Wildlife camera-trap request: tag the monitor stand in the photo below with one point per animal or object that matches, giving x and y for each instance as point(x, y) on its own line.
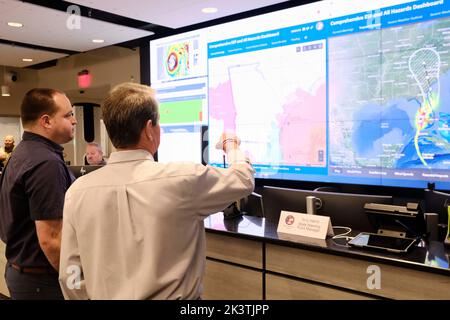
point(396, 221)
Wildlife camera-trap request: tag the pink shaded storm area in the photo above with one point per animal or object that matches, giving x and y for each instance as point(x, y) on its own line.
point(303, 128)
point(221, 106)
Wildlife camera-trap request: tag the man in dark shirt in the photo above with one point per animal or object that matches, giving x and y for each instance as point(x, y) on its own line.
point(32, 191)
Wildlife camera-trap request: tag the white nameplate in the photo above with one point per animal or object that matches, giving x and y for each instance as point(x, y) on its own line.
point(300, 239)
point(306, 225)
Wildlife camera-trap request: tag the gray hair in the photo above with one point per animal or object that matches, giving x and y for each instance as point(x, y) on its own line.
point(126, 110)
point(96, 145)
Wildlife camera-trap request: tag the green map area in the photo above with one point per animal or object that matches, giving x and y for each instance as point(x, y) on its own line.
point(186, 111)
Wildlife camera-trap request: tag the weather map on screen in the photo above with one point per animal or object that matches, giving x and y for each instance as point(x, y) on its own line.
point(292, 79)
point(178, 75)
point(179, 59)
point(324, 91)
point(389, 107)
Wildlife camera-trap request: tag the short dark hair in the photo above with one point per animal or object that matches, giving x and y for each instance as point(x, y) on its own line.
point(126, 110)
point(37, 102)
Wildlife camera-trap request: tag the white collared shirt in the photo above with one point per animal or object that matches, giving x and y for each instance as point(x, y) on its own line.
point(134, 228)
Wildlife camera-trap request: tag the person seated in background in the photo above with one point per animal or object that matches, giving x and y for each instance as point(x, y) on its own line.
point(94, 154)
point(6, 151)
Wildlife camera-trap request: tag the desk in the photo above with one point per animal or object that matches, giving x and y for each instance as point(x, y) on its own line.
point(247, 259)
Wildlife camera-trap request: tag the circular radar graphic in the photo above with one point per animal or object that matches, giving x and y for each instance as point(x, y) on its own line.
point(177, 61)
point(172, 63)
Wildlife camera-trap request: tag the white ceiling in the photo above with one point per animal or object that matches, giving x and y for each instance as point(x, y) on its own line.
point(175, 13)
point(12, 56)
point(47, 28)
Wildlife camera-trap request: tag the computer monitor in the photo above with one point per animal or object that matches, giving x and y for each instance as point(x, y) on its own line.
point(79, 171)
point(344, 209)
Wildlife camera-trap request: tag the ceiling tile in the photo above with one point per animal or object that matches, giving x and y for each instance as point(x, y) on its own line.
point(174, 13)
point(12, 56)
point(47, 27)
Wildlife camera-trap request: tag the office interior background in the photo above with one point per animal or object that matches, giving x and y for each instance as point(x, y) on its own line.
point(343, 100)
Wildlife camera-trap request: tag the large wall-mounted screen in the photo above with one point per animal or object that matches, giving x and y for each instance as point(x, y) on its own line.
point(326, 91)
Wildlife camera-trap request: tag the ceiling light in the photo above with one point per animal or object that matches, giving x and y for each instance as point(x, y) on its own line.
point(27, 60)
point(209, 10)
point(98, 40)
point(15, 24)
point(5, 91)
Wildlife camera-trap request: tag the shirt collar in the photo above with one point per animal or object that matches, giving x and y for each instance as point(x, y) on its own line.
point(130, 155)
point(30, 136)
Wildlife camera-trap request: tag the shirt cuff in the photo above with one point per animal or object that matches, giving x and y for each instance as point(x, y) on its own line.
point(236, 156)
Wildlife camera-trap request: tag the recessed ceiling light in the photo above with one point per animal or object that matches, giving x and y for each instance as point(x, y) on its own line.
point(98, 40)
point(209, 10)
point(15, 24)
point(27, 60)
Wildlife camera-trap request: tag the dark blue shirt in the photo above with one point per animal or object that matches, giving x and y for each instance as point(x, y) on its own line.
point(32, 188)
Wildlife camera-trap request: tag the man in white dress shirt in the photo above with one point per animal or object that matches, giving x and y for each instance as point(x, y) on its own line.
point(134, 228)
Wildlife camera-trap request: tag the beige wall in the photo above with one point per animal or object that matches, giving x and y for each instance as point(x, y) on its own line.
point(27, 78)
point(109, 66)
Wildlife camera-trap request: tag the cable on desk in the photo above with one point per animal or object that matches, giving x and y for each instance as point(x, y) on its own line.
point(342, 235)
